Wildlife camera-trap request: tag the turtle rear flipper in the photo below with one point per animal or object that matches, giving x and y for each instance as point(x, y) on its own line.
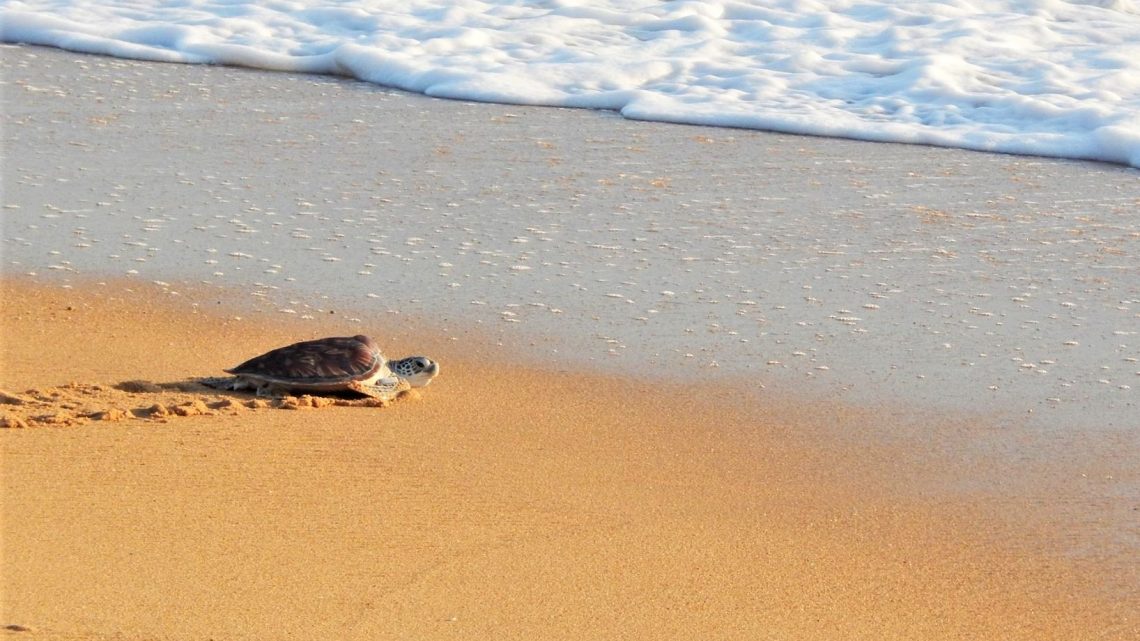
point(220, 382)
point(243, 384)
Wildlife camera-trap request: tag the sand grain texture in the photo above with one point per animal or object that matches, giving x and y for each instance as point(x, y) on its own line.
point(541, 505)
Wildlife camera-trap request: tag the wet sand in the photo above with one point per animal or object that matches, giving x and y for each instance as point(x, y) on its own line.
point(503, 501)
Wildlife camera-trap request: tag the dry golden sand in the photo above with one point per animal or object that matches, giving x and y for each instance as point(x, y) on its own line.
point(539, 505)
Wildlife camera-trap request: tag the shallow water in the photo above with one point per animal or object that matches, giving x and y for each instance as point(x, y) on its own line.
point(876, 273)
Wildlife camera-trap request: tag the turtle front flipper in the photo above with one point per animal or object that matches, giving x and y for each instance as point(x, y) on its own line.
point(385, 389)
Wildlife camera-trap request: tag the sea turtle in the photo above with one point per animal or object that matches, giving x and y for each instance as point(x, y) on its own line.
point(333, 364)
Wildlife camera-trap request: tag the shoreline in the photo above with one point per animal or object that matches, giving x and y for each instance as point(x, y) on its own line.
point(536, 503)
point(873, 273)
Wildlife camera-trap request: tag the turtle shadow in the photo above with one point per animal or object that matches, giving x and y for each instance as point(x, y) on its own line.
point(219, 386)
point(186, 397)
point(82, 403)
point(141, 386)
point(212, 395)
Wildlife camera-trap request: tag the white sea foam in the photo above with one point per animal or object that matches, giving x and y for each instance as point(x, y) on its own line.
point(1046, 77)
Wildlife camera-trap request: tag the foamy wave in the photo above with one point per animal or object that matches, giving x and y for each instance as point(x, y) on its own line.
point(1041, 77)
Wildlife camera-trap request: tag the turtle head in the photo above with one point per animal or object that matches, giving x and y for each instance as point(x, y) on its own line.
point(416, 370)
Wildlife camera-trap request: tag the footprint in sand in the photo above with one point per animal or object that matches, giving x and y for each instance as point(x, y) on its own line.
point(84, 403)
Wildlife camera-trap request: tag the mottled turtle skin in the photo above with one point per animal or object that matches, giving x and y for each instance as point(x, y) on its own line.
point(333, 364)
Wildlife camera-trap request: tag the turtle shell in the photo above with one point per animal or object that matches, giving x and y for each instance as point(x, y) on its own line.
point(325, 363)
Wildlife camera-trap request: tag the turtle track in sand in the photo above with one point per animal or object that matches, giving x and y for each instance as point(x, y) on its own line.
point(77, 404)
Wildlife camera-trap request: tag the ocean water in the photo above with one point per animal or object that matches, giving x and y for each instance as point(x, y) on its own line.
point(1054, 78)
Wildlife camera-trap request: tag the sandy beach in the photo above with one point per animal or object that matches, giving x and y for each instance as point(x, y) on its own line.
point(583, 468)
point(539, 505)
